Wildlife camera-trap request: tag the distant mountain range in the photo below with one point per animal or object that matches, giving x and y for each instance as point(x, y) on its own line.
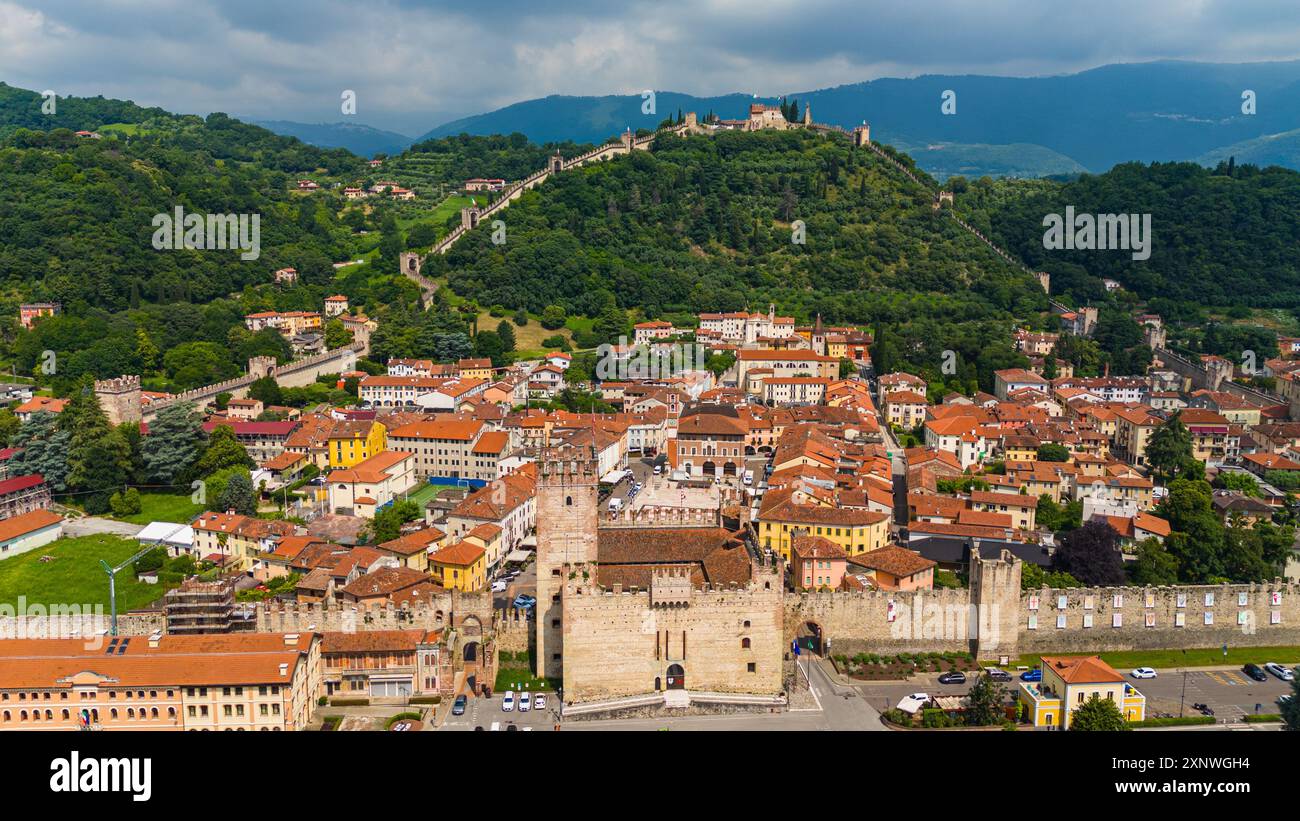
point(356, 137)
point(1003, 126)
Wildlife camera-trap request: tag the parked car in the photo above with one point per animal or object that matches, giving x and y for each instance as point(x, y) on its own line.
point(539, 701)
point(996, 674)
point(500, 585)
point(659, 469)
point(524, 601)
point(525, 701)
point(508, 703)
point(511, 728)
point(955, 677)
point(458, 706)
point(1143, 672)
point(1035, 674)
point(1255, 671)
point(1279, 671)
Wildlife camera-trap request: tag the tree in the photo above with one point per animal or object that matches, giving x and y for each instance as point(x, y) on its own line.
point(1169, 450)
point(521, 317)
point(173, 444)
point(1033, 577)
point(267, 391)
point(986, 703)
point(1091, 554)
point(1098, 714)
point(1237, 480)
point(1291, 707)
point(1052, 452)
point(387, 524)
point(507, 333)
point(222, 451)
point(553, 317)
point(125, 504)
point(1056, 517)
point(1155, 566)
point(336, 334)
point(41, 446)
point(99, 456)
point(1049, 367)
point(488, 344)
point(238, 495)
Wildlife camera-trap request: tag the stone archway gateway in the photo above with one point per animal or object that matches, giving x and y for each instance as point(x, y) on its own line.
point(676, 677)
point(471, 652)
point(810, 637)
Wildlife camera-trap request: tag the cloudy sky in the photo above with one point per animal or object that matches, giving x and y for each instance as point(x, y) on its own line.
point(417, 63)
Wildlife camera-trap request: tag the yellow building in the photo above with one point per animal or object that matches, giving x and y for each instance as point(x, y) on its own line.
point(475, 369)
point(857, 530)
point(1067, 684)
point(460, 566)
point(353, 442)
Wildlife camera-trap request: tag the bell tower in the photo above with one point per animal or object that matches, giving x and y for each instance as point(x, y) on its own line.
point(567, 512)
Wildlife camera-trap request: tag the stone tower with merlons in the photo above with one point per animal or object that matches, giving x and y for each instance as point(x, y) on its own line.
point(567, 516)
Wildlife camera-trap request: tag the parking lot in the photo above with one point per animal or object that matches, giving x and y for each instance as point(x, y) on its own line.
point(483, 712)
point(1230, 693)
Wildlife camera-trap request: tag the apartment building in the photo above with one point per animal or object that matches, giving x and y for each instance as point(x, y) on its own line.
point(248, 681)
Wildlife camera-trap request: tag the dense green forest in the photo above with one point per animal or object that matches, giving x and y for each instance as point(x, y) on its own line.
point(78, 230)
point(1222, 236)
point(449, 161)
point(705, 224)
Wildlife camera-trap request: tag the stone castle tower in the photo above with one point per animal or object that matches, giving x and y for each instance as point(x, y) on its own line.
point(567, 514)
point(260, 366)
point(995, 594)
point(410, 262)
point(861, 135)
point(120, 398)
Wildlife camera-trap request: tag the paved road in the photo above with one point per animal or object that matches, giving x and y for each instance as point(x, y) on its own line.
point(843, 708)
point(92, 525)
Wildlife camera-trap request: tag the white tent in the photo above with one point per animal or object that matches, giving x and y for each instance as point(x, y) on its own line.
point(167, 534)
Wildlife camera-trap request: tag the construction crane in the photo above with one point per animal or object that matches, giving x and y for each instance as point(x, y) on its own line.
point(112, 583)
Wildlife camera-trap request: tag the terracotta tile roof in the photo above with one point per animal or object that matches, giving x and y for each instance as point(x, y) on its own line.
point(374, 469)
point(807, 546)
point(894, 560)
point(629, 556)
point(374, 641)
point(461, 554)
point(1081, 670)
point(410, 544)
point(25, 523)
point(463, 430)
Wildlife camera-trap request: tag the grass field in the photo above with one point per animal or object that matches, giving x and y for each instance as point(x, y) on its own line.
point(1126, 660)
point(74, 576)
point(164, 507)
point(424, 493)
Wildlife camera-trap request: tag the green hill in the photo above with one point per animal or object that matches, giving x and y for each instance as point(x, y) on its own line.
point(705, 224)
point(1223, 236)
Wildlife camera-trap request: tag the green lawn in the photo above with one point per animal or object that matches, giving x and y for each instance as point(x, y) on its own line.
point(1198, 657)
point(424, 493)
point(164, 507)
point(74, 575)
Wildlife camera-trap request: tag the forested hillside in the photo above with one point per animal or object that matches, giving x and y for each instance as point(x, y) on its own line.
point(77, 229)
point(1223, 236)
point(704, 224)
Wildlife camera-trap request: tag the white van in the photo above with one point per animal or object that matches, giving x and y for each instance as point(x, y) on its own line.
point(659, 469)
point(615, 505)
point(508, 703)
point(749, 477)
point(525, 701)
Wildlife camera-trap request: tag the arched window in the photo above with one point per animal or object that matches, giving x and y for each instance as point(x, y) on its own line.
point(568, 501)
point(744, 644)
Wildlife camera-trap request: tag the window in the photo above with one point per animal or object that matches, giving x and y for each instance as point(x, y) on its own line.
point(751, 667)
